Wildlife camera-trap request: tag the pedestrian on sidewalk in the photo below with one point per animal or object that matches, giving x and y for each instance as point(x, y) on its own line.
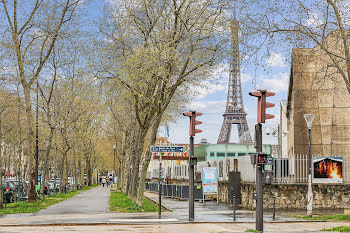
point(107, 183)
point(103, 182)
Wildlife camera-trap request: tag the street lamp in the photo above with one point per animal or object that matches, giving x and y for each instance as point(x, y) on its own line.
point(278, 163)
point(114, 147)
point(309, 118)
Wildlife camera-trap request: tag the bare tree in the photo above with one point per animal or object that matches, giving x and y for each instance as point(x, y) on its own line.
point(32, 28)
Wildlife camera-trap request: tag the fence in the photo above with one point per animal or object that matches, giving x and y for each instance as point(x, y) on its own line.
point(291, 170)
point(175, 191)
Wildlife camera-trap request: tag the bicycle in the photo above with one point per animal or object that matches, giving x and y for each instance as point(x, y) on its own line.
point(39, 194)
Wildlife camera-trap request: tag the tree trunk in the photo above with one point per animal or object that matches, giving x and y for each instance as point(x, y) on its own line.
point(30, 139)
point(136, 166)
point(146, 162)
point(89, 175)
point(46, 160)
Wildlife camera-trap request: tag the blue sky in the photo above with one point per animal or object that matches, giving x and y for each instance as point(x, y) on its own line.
point(273, 75)
point(211, 101)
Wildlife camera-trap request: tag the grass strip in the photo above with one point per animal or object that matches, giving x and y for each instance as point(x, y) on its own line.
point(251, 230)
point(120, 202)
point(339, 229)
point(25, 207)
point(334, 217)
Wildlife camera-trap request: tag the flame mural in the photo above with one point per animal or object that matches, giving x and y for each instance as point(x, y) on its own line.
point(328, 169)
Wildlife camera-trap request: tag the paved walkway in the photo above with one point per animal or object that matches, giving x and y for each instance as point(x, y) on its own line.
point(211, 212)
point(175, 228)
point(91, 208)
point(92, 201)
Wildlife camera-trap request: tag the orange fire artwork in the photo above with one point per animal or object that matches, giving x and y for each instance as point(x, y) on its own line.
point(329, 169)
point(334, 171)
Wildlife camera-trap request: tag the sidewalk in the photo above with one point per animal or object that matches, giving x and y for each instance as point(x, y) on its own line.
point(175, 228)
point(91, 201)
point(211, 212)
point(88, 212)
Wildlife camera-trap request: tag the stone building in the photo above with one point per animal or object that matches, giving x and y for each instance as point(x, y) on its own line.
point(316, 87)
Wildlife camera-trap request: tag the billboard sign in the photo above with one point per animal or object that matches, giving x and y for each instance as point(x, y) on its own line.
point(167, 149)
point(327, 169)
point(210, 180)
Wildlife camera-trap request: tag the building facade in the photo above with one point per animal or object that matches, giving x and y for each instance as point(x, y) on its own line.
point(211, 152)
point(316, 87)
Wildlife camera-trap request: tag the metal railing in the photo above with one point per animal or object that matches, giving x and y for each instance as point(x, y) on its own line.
point(290, 170)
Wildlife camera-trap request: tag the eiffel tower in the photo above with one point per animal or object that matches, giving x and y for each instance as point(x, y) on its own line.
point(235, 113)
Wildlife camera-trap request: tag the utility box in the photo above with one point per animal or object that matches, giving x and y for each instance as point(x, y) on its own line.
point(234, 187)
point(267, 177)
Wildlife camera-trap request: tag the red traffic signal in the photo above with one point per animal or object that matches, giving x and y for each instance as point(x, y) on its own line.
point(193, 122)
point(262, 104)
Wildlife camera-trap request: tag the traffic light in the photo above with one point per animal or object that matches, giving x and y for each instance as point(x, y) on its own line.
point(262, 104)
point(193, 122)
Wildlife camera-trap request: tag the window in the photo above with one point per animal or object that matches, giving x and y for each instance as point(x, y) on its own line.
point(242, 154)
point(212, 154)
point(231, 154)
point(220, 155)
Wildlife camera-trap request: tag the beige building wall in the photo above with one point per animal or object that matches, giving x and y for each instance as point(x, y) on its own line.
point(317, 88)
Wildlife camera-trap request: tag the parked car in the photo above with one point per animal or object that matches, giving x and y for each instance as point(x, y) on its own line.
point(23, 189)
point(52, 185)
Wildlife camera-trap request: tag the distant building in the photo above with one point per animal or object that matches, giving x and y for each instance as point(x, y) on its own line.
point(210, 152)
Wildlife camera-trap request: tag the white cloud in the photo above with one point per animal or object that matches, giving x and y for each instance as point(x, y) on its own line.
point(209, 107)
point(277, 83)
point(246, 77)
point(206, 88)
point(314, 20)
point(276, 59)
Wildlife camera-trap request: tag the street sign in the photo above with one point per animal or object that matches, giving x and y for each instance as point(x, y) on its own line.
point(210, 180)
point(167, 149)
point(171, 157)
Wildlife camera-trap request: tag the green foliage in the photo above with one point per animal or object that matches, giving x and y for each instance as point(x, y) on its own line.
point(149, 206)
point(334, 217)
point(251, 230)
point(340, 229)
point(121, 202)
point(25, 207)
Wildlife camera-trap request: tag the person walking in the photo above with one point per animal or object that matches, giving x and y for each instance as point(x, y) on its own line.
point(103, 182)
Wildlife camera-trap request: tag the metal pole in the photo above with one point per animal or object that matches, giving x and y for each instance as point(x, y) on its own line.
point(18, 187)
point(1, 193)
point(114, 162)
point(191, 182)
point(274, 208)
point(37, 135)
point(234, 208)
point(279, 160)
point(259, 188)
point(309, 190)
point(160, 187)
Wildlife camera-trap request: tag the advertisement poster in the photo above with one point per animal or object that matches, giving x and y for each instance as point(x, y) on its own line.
point(327, 170)
point(210, 181)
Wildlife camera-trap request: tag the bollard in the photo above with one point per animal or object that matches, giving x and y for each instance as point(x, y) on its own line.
point(234, 208)
point(274, 208)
